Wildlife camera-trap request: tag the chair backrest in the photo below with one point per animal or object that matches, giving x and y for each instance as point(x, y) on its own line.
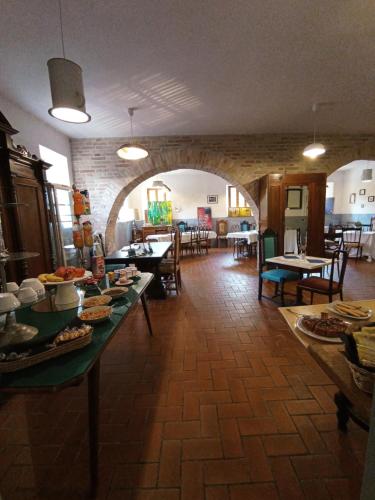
point(222, 227)
point(203, 233)
point(245, 225)
point(344, 259)
point(267, 245)
point(235, 227)
point(182, 226)
point(176, 248)
point(351, 235)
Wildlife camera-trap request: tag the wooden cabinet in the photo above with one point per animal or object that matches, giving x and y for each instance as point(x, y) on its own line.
point(273, 202)
point(23, 208)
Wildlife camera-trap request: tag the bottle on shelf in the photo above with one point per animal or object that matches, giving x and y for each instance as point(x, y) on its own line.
point(78, 202)
point(77, 235)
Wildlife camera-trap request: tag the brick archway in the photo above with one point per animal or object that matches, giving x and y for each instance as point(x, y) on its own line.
point(216, 164)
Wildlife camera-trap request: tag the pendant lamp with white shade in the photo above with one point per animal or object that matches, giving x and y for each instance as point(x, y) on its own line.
point(315, 149)
point(131, 151)
point(65, 76)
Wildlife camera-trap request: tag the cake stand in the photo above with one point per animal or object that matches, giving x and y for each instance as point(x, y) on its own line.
point(13, 332)
point(66, 292)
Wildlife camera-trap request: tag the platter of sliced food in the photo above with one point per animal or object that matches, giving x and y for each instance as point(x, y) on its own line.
point(322, 327)
point(95, 314)
point(64, 275)
point(97, 300)
point(352, 311)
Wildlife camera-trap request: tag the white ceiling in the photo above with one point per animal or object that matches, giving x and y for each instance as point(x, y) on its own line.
point(198, 66)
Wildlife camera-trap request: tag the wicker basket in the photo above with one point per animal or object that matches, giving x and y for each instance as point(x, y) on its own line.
point(20, 364)
point(363, 379)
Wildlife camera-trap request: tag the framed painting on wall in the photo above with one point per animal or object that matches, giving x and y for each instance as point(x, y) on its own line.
point(371, 199)
point(352, 198)
point(294, 199)
point(204, 217)
point(212, 198)
point(362, 192)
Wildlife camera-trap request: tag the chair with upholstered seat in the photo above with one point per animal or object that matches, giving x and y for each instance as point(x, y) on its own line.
point(169, 269)
point(323, 286)
point(268, 249)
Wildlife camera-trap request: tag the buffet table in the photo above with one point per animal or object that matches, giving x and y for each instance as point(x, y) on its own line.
point(145, 262)
point(350, 401)
point(71, 368)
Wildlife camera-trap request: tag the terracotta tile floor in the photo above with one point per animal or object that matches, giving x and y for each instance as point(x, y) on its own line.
point(222, 404)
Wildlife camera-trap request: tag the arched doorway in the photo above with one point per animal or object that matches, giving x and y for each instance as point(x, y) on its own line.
point(248, 192)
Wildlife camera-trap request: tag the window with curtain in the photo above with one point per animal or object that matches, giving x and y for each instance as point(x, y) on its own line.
point(237, 205)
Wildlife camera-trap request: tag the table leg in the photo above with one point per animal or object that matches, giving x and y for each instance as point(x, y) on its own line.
point(342, 412)
point(93, 396)
point(145, 310)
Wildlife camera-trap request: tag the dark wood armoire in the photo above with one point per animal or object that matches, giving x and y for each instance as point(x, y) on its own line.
point(23, 206)
point(273, 202)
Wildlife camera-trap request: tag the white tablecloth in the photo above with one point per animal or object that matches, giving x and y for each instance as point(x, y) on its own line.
point(368, 242)
point(250, 236)
point(290, 241)
point(185, 236)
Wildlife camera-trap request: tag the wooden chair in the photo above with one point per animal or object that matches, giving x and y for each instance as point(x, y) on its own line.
point(323, 286)
point(268, 249)
point(222, 231)
point(170, 270)
point(351, 240)
point(203, 242)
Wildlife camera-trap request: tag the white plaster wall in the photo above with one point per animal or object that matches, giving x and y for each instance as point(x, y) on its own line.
point(349, 181)
point(33, 131)
point(189, 190)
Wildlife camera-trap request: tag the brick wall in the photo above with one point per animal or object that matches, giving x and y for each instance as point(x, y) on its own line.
point(240, 159)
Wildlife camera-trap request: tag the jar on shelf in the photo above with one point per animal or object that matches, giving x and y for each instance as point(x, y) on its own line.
point(87, 234)
point(77, 235)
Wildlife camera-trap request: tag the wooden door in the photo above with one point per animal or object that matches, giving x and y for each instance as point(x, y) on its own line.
point(273, 203)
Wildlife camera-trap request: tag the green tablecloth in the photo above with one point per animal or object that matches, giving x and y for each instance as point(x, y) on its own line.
point(61, 370)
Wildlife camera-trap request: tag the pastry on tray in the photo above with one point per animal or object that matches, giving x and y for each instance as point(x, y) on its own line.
point(325, 327)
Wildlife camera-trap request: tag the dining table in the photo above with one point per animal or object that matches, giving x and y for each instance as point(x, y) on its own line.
point(351, 402)
point(250, 236)
point(72, 368)
point(146, 261)
point(185, 236)
point(306, 264)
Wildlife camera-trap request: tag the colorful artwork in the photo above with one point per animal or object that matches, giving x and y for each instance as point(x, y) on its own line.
point(204, 217)
point(160, 212)
point(240, 212)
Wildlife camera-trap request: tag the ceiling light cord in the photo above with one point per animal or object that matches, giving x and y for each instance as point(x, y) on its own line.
point(61, 30)
point(131, 113)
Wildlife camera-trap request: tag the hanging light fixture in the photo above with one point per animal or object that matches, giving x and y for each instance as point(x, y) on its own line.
point(65, 76)
point(160, 185)
point(131, 151)
point(316, 148)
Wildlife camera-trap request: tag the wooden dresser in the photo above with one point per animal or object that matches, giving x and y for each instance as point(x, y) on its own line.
point(23, 206)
